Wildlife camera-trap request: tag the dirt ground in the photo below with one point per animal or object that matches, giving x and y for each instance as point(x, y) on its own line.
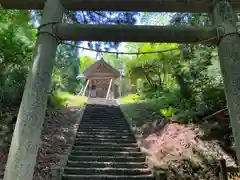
point(57, 137)
point(182, 151)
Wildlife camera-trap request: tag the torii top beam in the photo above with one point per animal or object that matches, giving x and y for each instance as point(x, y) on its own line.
point(122, 5)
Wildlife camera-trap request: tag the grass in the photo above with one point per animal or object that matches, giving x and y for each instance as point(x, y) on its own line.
point(131, 98)
point(142, 111)
point(68, 99)
point(167, 104)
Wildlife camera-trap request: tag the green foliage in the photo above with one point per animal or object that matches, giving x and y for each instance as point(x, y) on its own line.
point(186, 83)
point(130, 98)
point(16, 44)
point(187, 80)
point(66, 69)
point(17, 39)
point(169, 112)
point(214, 98)
point(153, 72)
point(85, 62)
point(113, 60)
point(66, 99)
point(56, 100)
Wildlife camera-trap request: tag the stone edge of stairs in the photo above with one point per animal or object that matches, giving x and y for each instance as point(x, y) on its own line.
point(157, 175)
point(128, 119)
point(56, 171)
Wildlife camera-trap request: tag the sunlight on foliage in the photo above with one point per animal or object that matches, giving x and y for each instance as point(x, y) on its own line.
point(169, 112)
point(85, 62)
point(131, 98)
point(68, 99)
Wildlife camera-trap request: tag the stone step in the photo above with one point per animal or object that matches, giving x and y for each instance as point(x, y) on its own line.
point(103, 129)
point(105, 153)
point(106, 121)
point(110, 122)
point(93, 133)
point(100, 140)
point(102, 113)
point(105, 144)
point(102, 124)
point(108, 133)
point(104, 148)
point(94, 164)
point(104, 171)
point(104, 117)
point(106, 177)
point(103, 109)
point(105, 136)
point(107, 158)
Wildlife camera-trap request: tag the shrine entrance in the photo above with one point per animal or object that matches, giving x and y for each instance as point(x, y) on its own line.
point(100, 80)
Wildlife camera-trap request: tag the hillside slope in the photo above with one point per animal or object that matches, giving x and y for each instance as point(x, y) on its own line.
point(183, 151)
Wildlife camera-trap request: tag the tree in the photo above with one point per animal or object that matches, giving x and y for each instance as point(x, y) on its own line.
point(85, 62)
point(16, 43)
point(67, 62)
point(154, 69)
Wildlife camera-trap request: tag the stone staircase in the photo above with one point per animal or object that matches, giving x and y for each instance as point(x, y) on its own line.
point(105, 148)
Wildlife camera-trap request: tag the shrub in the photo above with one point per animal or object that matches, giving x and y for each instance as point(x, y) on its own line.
point(66, 99)
point(131, 98)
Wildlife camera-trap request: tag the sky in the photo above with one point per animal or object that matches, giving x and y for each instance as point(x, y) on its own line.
point(152, 19)
point(156, 19)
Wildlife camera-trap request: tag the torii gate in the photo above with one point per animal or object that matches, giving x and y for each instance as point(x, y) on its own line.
point(26, 138)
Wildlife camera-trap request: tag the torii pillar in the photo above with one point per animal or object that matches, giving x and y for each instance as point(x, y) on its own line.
point(26, 138)
point(229, 55)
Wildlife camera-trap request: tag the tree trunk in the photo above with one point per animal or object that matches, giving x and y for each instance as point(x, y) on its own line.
point(26, 137)
point(229, 55)
point(148, 79)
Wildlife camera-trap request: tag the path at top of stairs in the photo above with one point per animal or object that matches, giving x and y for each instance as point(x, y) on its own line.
point(105, 147)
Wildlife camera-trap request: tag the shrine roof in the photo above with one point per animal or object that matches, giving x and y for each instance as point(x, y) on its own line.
point(90, 70)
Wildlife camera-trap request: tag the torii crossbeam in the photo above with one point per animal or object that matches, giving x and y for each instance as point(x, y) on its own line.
point(123, 5)
point(26, 137)
point(130, 33)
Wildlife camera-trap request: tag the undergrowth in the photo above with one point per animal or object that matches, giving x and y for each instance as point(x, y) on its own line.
point(67, 99)
point(147, 113)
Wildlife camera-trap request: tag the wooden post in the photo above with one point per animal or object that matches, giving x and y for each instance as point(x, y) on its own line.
point(223, 170)
point(121, 78)
point(229, 55)
point(113, 89)
point(85, 88)
point(90, 88)
point(109, 88)
point(28, 129)
point(81, 91)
